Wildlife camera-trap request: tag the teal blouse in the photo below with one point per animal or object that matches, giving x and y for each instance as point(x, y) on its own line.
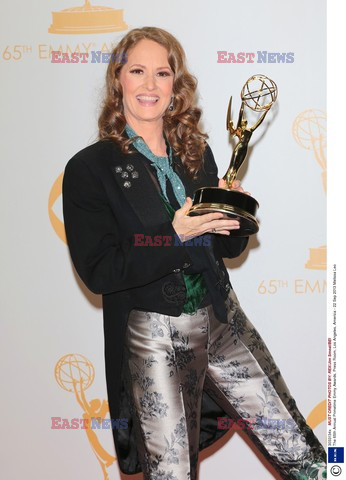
point(194, 282)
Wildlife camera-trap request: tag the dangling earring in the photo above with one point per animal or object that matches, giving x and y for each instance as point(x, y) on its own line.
point(171, 105)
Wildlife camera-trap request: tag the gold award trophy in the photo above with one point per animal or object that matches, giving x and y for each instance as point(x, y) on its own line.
point(259, 94)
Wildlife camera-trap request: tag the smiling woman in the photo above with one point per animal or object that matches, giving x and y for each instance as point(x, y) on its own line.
point(156, 65)
point(180, 351)
point(147, 91)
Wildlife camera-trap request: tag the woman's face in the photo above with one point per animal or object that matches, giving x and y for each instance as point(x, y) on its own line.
point(147, 82)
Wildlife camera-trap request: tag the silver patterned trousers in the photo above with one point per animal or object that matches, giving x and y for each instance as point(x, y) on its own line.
point(170, 361)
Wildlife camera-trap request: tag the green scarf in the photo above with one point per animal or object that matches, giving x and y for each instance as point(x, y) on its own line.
point(194, 282)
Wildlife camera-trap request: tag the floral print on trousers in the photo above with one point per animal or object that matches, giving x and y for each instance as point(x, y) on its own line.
point(170, 360)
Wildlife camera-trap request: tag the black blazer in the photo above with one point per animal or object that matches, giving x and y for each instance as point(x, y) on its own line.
point(108, 197)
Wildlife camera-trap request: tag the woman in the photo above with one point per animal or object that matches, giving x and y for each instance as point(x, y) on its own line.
point(180, 352)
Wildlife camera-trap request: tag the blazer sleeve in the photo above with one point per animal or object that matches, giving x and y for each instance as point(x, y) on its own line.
point(228, 246)
point(105, 260)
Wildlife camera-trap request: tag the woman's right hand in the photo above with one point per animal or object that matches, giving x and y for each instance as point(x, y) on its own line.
point(189, 227)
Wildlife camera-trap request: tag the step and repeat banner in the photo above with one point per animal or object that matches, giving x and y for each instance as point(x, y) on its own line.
point(52, 330)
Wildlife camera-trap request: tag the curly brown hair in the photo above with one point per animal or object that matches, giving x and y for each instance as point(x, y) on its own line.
point(180, 124)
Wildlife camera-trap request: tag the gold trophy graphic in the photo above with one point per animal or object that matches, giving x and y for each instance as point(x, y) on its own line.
point(55, 193)
point(258, 94)
point(75, 373)
point(309, 131)
point(87, 19)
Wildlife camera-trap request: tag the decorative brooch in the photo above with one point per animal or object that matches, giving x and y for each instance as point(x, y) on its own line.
point(128, 173)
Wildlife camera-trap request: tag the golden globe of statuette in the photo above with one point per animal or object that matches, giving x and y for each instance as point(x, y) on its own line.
point(258, 94)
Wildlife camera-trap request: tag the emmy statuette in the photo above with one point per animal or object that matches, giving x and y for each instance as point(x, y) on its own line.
point(259, 94)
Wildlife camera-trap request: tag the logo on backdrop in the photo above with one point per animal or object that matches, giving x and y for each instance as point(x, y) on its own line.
point(317, 415)
point(54, 195)
point(309, 131)
point(83, 20)
point(250, 57)
point(87, 19)
point(75, 373)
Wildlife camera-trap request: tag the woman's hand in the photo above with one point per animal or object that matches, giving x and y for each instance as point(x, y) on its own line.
point(216, 222)
point(189, 227)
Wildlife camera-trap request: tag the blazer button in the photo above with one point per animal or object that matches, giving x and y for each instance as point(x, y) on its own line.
point(176, 270)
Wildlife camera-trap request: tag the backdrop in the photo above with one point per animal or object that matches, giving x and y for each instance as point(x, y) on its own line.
point(51, 325)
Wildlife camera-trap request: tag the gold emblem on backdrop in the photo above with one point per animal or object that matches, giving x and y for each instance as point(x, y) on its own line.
point(54, 194)
point(317, 415)
point(75, 373)
point(309, 131)
point(87, 19)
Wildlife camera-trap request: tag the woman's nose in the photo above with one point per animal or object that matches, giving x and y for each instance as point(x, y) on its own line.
point(150, 81)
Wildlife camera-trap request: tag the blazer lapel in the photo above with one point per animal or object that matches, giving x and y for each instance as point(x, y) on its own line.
point(134, 179)
point(139, 188)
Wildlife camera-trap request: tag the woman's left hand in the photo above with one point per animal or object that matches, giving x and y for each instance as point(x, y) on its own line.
point(235, 186)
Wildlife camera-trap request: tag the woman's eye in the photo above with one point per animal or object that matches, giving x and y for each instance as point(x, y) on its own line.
point(136, 70)
point(164, 74)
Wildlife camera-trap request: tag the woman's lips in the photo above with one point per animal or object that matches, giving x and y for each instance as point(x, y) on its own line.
point(147, 100)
